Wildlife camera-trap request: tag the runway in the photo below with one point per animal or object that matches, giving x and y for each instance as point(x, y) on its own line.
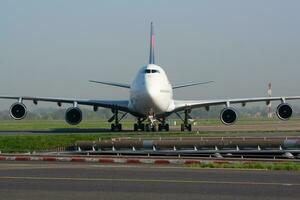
point(36, 180)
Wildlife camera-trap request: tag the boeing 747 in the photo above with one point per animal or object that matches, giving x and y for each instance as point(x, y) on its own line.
point(150, 102)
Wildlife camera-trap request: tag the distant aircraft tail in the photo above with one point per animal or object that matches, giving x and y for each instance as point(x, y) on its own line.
point(151, 57)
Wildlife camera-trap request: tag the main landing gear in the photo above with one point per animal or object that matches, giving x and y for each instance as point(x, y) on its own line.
point(116, 126)
point(186, 125)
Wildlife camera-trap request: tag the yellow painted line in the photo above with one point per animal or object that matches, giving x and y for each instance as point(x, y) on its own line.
point(146, 180)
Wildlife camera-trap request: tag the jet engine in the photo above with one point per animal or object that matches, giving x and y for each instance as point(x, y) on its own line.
point(73, 116)
point(284, 111)
point(228, 116)
point(18, 111)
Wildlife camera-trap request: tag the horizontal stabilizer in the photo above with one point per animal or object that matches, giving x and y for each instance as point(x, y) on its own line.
point(112, 84)
point(191, 84)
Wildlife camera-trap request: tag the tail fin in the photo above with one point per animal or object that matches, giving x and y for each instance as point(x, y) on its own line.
point(151, 57)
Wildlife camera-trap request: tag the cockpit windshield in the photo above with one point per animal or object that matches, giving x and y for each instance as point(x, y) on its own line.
point(150, 71)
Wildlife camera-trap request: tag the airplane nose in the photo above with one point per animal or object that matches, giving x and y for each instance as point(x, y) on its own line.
point(153, 95)
point(153, 99)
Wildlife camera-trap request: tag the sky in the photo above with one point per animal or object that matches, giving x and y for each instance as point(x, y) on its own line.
point(52, 48)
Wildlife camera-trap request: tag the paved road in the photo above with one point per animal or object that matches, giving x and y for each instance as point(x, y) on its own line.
point(35, 180)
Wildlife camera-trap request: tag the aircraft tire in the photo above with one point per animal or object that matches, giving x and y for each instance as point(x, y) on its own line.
point(189, 127)
point(142, 127)
point(167, 127)
point(147, 127)
point(160, 127)
point(135, 127)
point(182, 127)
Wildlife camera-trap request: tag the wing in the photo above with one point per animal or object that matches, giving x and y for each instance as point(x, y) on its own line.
point(182, 104)
point(120, 105)
point(190, 84)
point(111, 84)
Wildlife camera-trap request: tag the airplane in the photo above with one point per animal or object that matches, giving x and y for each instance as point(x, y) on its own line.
point(150, 102)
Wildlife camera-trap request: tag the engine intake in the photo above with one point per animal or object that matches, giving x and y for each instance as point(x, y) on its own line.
point(18, 111)
point(73, 116)
point(284, 111)
point(228, 116)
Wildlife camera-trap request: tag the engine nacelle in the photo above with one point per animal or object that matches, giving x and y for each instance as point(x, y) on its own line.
point(73, 116)
point(284, 111)
point(228, 116)
point(18, 111)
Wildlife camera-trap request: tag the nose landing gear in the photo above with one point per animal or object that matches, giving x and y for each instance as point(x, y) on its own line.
point(139, 126)
point(163, 126)
point(151, 125)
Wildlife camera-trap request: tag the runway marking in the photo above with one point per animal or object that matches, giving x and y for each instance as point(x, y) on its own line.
point(145, 180)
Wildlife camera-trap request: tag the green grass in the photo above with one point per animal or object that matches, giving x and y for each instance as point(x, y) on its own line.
point(250, 165)
point(42, 125)
point(25, 143)
point(22, 143)
point(15, 125)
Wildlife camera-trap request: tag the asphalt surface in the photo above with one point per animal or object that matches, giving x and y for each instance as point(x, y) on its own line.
point(36, 180)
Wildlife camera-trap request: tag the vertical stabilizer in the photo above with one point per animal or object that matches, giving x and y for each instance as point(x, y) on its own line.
point(151, 57)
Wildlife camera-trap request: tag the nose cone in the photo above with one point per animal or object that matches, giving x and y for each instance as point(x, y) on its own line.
point(153, 97)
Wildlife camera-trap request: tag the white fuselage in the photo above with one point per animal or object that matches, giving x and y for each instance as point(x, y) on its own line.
point(151, 92)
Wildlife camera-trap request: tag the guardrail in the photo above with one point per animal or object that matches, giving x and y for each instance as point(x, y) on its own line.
point(266, 147)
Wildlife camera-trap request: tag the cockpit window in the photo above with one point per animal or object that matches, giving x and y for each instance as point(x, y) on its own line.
point(149, 71)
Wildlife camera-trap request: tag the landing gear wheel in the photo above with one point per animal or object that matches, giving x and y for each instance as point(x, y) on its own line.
point(142, 127)
point(112, 127)
point(153, 128)
point(139, 127)
point(116, 127)
point(147, 127)
point(182, 127)
point(167, 127)
point(135, 127)
point(186, 127)
point(189, 127)
point(119, 127)
point(159, 127)
point(162, 127)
